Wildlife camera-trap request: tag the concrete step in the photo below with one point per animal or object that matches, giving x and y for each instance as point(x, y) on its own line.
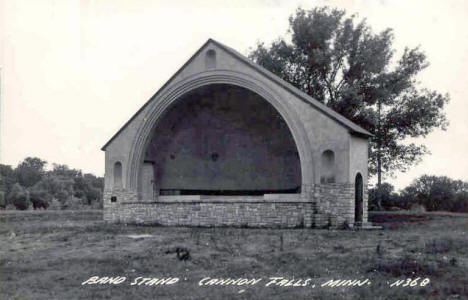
point(367, 226)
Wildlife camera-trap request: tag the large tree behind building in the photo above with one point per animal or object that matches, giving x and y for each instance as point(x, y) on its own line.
point(340, 62)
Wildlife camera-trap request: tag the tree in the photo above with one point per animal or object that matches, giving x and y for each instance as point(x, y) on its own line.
point(61, 187)
point(64, 171)
point(438, 193)
point(30, 171)
point(388, 197)
point(343, 64)
point(19, 197)
point(7, 178)
point(95, 188)
point(40, 191)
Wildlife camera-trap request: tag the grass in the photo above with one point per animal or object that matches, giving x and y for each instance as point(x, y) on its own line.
point(48, 254)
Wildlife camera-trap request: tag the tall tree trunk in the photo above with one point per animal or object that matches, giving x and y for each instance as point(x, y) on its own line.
point(379, 158)
point(379, 180)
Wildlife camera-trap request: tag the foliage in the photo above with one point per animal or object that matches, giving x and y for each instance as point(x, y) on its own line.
point(433, 193)
point(389, 197)
point(89, 187)
point(30, 171)
point(56, 187)
point(340, 62)
point(19, 197)
point(74, 203)
point(7, 178)
point(438, 193)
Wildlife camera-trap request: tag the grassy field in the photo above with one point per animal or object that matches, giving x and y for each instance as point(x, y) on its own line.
point(49, 254)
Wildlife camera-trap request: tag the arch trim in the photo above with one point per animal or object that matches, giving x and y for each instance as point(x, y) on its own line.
point(160, 104)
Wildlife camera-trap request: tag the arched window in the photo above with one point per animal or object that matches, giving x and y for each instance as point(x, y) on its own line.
point(327, 167)
point(118, 175)
point(210, 59)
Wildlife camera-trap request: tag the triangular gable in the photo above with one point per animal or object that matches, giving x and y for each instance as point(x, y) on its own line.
point(354, 128)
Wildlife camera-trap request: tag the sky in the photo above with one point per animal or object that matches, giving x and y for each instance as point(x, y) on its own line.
point(73, 72)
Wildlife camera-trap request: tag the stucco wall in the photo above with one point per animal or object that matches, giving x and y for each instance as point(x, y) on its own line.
point(358, 157)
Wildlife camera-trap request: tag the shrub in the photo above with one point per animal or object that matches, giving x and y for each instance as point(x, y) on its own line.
point(55, 204)
point(73, 203)
point(389, 198)
point(38, 203)
point(19, 197)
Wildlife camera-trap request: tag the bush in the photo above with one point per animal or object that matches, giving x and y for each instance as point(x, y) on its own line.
point(54, 204)
point(19, 197)
point(38, 203)
point(390, 199)
point(73, 203)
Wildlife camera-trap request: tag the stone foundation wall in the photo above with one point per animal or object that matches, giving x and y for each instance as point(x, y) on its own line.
point(335, 204)
point(323, 206)
point(248, 214)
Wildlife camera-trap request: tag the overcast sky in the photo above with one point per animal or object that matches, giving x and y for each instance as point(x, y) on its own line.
point(73, 72)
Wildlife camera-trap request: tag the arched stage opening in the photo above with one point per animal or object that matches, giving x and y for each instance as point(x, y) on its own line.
point(221, 139)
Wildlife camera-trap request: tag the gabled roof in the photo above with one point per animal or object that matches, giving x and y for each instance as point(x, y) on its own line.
point(353, 128)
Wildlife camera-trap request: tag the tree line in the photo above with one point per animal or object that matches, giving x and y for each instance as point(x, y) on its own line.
point(428, 192)
point(31, 185)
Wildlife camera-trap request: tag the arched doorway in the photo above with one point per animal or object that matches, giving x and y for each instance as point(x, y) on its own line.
point(222, 139)
point(358, 199)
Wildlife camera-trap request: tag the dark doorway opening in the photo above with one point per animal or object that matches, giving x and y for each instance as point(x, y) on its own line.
point(358, 199)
